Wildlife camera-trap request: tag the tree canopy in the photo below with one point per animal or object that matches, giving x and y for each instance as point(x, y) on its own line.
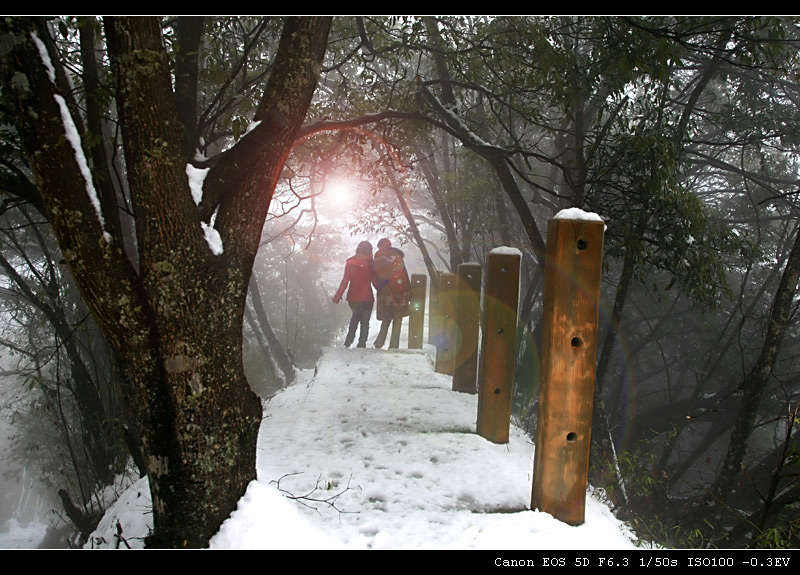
point(155, 156)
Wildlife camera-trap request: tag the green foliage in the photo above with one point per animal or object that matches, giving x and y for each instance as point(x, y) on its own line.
point(692, 246)
point(642, 503)
point(653, 213)
point(780, 536)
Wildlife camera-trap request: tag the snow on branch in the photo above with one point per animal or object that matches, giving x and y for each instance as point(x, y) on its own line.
point(51, 71)
point(196, 178)
point(71, 132)
point(458, 127)
point(212, 237)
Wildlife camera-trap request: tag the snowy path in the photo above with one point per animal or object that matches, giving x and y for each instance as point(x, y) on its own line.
point(387, 435)
point(405, 445)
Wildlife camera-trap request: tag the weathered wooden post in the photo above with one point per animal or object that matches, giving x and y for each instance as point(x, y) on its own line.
point(468, 310)
point(569, 354)
point(498, 355)
point(444, 340)
point(416, 316)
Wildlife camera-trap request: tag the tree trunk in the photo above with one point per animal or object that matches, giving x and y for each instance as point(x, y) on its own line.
point(273, 343)
point(428, 167)
point(175, 324)
point(188, 33)
point(756, 381)
point(432, 271)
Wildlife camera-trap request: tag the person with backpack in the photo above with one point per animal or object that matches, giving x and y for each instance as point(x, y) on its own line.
point(394, 292)
point(359, 275)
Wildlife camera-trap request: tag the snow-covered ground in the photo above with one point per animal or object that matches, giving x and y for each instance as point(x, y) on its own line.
point(18, 536)
point(375, 451)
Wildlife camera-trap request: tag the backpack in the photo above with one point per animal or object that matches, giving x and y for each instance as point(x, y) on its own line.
point(398, 278)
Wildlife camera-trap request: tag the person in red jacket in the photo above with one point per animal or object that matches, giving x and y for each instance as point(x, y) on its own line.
point(359, 274)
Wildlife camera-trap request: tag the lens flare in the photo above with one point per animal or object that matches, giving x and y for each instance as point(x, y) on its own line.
point(338, 194)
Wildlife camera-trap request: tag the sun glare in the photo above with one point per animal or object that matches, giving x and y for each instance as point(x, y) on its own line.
point(338, 194)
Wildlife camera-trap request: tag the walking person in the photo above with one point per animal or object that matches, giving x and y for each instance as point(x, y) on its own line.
point(359, 275)
point(394, 292)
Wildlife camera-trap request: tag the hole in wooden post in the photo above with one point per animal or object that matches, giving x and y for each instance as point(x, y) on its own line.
point(582, 244)
point(576, 341)
point(497, 391)
point(500, 330)
point(572, 436)
point(504, 270)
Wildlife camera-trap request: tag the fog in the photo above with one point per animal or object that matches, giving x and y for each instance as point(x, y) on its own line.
point(20, 498)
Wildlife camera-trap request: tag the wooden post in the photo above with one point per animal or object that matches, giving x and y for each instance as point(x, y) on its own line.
point(444, 339)
point(433, 312)
point(569, 354)
point(416, 317)
point(468, 310)
point(498, 355)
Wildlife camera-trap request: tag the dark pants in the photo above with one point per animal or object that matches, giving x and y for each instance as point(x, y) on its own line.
point(397, 324)
point(362, 310)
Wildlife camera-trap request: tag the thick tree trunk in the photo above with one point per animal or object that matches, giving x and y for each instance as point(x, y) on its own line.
point(211, 437)
point(175, 324)
point(196, 415)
